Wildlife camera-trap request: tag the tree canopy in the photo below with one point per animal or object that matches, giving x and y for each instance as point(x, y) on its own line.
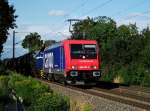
point(32, 42)
point(94, 28)
point(7, 21)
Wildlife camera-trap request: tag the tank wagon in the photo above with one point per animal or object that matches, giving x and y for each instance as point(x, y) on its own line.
point(71, 61)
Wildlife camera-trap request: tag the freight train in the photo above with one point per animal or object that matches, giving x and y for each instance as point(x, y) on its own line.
point(71, 61)
point(75, 62)
point(24, 64)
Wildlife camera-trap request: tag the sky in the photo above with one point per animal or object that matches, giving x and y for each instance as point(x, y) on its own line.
point(49, 17)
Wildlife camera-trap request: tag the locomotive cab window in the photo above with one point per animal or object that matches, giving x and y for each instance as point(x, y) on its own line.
point(83, 51)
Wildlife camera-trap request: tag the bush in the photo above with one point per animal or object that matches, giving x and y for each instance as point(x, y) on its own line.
point(27, 88)
point(36, 95)
point(3, 70)
point(122, 76)
point(50, 102)
point(106, 74)
point(4, 86)
point(139, 75)
point(14, 78)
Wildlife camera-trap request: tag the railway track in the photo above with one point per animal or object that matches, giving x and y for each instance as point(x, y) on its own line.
point(120, 94)
point(127, 99)
point(139, 93)
point(127, 94)
point(136, 90)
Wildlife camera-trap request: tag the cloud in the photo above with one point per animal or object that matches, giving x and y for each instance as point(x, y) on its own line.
point(8, 51)
point(46, 32)
point(49, 33)
point(25, 29)
point(56, 13)
point(141, 24)
point(142, 20)
point(10, 46)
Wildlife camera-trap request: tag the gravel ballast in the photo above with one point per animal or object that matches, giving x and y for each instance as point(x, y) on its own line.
point(98, 103)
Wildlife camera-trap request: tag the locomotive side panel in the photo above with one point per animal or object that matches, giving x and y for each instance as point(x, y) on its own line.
point(39, 61)
point(54, 62)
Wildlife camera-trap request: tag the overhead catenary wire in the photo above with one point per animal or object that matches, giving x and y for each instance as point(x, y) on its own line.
point(136, 15)
point(79, 6)
point(72, 11)
point(95, 8)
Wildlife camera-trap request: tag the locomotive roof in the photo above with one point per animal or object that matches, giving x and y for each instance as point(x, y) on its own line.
point(53, 46)
point(69, 42)
point(79, 41)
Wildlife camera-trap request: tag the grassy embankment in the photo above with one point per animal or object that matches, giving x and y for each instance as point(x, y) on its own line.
point(36, 96)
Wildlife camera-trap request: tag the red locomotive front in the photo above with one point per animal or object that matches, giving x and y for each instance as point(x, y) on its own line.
point(82, 61)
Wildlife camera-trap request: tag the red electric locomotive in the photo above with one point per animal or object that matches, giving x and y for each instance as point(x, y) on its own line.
point(82, 61)
point(71, 61)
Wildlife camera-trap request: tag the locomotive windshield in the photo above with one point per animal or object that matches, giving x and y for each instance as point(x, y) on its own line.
point(83, 51)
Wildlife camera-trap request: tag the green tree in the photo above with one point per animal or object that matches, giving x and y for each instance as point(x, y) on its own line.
point(98, 28)
point(126, 45)
point(145, 53)
point(49, 42)
point(7, 21)
point(32, 42)
point(81, 29)
point(127, 31)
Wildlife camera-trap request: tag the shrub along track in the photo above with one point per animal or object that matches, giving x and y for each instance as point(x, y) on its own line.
point(120, 94)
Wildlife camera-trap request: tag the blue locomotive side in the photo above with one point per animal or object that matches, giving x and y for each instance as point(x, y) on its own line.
point(53, 60)
point(39, 60)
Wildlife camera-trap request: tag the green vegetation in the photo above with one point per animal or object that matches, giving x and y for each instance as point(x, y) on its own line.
point(124, 50)
point(88, 107)
point(35, 95)
point(4, 86)
point(50, 102)
point(27, 88)
point(32, 42)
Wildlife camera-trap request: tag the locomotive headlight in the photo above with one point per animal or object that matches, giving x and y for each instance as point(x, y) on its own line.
point(93, 67)
point(74, 67)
